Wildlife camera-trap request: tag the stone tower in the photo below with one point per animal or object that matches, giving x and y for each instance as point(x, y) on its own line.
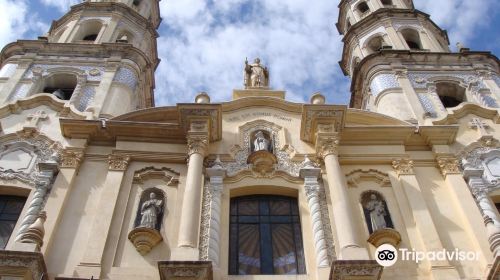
point(401, 65)
point(98, 58)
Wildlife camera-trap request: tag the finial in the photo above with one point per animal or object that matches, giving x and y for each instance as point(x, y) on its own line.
point(202, 97)
point(318, 99)
point(307, 163)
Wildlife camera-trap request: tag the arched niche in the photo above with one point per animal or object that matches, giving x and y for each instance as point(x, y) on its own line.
point(451, 94)
point(375, 211)
point(89, 31)
point(412, 38)
point(151, 209)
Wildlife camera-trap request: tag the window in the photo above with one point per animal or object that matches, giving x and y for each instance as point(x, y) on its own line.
point(363, 8)
point(89, 31)
point(265, 236)
point(10, 209)
point(61, 85)
point(387, 2)
point(412, 39)
point(450, 94)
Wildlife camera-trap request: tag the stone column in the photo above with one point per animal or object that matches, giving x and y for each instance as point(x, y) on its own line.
point(479, 189)
point(70, 161)
point(216, 187)
point(423, 219)
point(464, 202)
point(191, 202)
point(47, 171)
point(90, 265)
point(310, 175)
point(327, 149)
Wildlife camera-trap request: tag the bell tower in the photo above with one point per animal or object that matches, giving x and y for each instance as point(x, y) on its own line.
point(99, 58)
point(401, 65)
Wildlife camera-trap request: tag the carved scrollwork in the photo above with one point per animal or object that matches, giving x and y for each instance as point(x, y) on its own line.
point(403, 166)
point(71, 158)
point(448, 165)
point(198, 144)
point(327, 145)
point(118, 162)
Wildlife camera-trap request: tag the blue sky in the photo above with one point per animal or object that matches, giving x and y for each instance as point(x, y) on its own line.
point(203, 43)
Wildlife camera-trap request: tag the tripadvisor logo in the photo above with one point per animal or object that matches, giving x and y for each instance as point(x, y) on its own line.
point(387, 255)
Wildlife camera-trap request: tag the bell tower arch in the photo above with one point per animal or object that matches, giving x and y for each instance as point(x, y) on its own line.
point(99, 57)
point(399, 61)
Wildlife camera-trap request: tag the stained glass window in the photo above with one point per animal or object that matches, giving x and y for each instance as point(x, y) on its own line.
point(265, 236)
point(10, 209)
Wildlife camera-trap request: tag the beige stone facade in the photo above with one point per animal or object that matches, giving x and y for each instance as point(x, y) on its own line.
point(115, 188)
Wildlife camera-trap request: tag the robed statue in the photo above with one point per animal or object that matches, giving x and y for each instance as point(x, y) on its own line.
point(260, 143)
point(150, 210)
point(256, 75)
point(377, 213)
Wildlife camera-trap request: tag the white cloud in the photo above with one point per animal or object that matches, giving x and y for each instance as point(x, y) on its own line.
point(206, 44)
point(62, 5)
point(12, 20)
point(460, 17)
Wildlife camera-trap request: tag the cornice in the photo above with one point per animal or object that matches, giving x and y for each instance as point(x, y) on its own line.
point(111, 131)
point(465, 109)
point(377, 17)
point(103, 51)
point(388, 56)
point(266, 102)
point(106, 7)
point(36, 100)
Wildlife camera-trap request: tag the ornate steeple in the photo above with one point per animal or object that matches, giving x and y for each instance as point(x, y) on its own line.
point(401, 65)
point(100, 58)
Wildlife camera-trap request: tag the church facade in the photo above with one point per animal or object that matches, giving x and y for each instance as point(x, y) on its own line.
point(98, 183)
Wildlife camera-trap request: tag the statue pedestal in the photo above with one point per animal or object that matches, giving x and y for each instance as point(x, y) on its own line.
point(385, 236)
point(262, 161)
point(144, 239)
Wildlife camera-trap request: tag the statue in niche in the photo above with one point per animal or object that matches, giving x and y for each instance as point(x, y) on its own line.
point(261, 143)
point(150, 212)
point(256, 75)
point(376, 214)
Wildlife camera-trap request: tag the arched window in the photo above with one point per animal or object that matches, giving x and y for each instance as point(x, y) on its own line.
point(89, 31)
point(376, 212)
point(412, 39)
point(363, 8)
point(387, 3)
point(10, 210)
point(450, 94)
point(61, 85)
point(265, 236)
point(375, 44)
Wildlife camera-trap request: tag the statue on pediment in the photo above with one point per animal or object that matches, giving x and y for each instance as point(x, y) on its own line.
point(256, 75)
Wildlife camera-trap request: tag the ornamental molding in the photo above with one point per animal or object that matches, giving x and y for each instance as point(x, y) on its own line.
point(403, 166)
point(448, 165)
point(354, 178)
point(313, 115)
point(210, 113)
point(197, 143)
point(169, 176)
point(355, 270)
point(283, 151)
point(327, 144)
point(118, 162)
point(71, 158)
point(40, 149)
point(188, 270)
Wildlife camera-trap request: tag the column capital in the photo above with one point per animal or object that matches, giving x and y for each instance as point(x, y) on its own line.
point(71, 158)
point(327, 144)
point(448, 165)
point(118, 162)
point(403, 166)
point(197, 143)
